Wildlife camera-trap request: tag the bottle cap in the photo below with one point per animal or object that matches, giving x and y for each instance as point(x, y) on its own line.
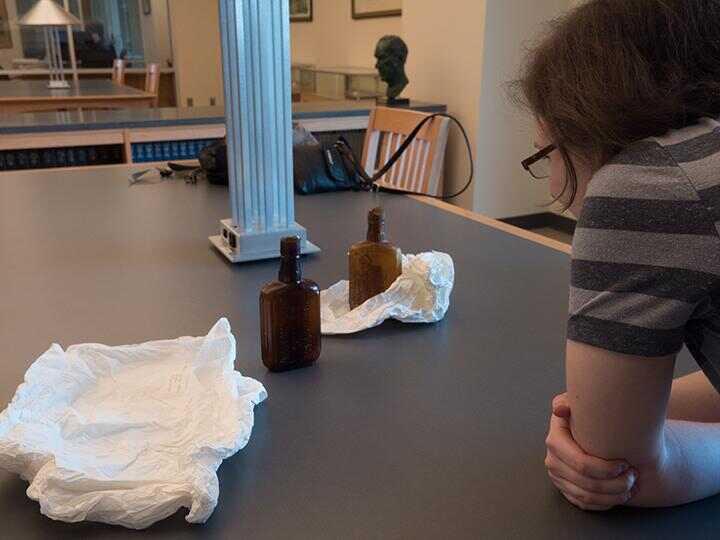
point(376, 215)
point(290, 246)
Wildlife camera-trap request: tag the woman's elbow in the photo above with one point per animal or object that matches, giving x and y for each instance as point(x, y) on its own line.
point(661, 481)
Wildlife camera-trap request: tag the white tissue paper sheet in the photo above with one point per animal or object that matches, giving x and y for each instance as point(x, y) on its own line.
point(420, 295)
point(127, 435)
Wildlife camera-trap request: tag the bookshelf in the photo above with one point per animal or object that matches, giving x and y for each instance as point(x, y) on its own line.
point(105, 147)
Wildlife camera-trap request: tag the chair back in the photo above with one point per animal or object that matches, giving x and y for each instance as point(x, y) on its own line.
point(420, 168)
point(152, 81)
point(118, 71)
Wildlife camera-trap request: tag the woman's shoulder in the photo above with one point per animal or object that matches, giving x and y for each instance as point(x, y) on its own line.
point(706, 130)
point(674, 166)
point(653, 203)
point(643, 170)
point(696, 150)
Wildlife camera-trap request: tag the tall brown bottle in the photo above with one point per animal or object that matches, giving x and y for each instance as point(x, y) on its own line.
point(290, 314)
point(374, 264)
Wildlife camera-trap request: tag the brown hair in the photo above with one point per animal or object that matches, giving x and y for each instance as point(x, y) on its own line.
point(612, 72)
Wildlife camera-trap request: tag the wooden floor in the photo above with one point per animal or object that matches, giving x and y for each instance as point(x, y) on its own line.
point(555, 234)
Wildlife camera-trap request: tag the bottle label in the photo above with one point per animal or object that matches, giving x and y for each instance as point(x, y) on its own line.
point(368, 280)
point(296, 337)
point(371, 276)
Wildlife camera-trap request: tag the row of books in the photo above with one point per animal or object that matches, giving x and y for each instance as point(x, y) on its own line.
point(81, 156)
point(48, 158)
point(169, 150)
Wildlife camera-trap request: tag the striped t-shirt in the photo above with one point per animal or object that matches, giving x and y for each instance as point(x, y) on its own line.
point(646, 253)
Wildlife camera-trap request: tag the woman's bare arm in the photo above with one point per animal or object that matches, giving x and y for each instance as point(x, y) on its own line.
point(619, 406)
point(694, 398)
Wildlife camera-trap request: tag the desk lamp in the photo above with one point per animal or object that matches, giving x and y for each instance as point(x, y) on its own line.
point(50, 15)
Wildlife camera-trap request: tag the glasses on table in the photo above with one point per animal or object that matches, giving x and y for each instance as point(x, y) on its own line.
point(538, 165)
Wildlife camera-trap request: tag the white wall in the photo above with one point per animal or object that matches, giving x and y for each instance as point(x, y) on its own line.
point(505, 133)
point(463, 55)
point(156, 33)
point(196, 51)
point(8, 55)
point(334, 38)
point(445, 66)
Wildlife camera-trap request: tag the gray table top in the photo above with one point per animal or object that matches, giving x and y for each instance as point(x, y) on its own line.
point(74, 120)
point(404, 431)
point(18, 89)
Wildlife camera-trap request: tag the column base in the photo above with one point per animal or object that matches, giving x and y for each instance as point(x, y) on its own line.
point(244, 247)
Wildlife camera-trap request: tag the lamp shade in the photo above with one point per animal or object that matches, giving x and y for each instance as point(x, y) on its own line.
point(48, 13)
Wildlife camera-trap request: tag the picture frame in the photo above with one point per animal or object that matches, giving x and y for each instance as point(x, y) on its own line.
point(371, 9)
point(301, 10)
point(5, 34)
point(146, 7)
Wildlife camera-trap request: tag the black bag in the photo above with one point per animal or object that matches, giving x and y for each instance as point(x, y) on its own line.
point(316, 168)
point(320, 169)
point(214, 162)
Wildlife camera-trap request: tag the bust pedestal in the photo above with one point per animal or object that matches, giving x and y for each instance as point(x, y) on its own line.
point(392, 102)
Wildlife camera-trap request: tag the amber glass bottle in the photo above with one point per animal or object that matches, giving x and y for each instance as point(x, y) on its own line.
point(374, 264)
point(290, 314)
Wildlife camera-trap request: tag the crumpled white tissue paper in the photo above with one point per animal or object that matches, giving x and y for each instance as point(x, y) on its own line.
point(127, 435)
point(420, 295)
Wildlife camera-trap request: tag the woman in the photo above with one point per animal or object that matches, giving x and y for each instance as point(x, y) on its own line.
point(626, 94)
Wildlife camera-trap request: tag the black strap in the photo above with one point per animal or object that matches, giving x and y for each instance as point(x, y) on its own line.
point(178, 167)
point(329, 166)
point(368, 181)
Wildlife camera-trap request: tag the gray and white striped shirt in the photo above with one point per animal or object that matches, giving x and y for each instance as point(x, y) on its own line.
point(646, 254)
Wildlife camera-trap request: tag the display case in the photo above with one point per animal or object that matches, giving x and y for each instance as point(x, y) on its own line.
point(343, 82)
point(303, 77)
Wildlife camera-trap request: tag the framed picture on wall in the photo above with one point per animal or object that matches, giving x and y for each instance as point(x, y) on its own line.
point(368, 9)
point(301, 10)
point(5, 36)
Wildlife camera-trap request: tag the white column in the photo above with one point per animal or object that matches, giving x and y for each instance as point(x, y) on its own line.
point(255, 38)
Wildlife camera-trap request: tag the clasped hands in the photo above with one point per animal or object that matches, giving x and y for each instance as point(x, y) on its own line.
point(587, 482)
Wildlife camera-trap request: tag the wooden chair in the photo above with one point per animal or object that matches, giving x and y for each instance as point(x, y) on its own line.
point(152, 81)
point(420, 168)
point(118, 71)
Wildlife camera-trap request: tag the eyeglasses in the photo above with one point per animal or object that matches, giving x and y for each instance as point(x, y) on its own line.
point(538, 165)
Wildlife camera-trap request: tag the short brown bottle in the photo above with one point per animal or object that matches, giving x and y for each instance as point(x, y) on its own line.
point(374, 264)
point(290, 314)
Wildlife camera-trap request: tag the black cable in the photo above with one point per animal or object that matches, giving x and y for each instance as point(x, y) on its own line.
point(367, 182)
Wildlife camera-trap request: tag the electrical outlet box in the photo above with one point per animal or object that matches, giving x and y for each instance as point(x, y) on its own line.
point(240, 246)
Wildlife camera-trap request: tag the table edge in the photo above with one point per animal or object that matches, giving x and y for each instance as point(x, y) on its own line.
point(495, 224)
point(75, 97)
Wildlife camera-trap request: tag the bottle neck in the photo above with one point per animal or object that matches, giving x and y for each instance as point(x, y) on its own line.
point(290, 270)
point(376, 231)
